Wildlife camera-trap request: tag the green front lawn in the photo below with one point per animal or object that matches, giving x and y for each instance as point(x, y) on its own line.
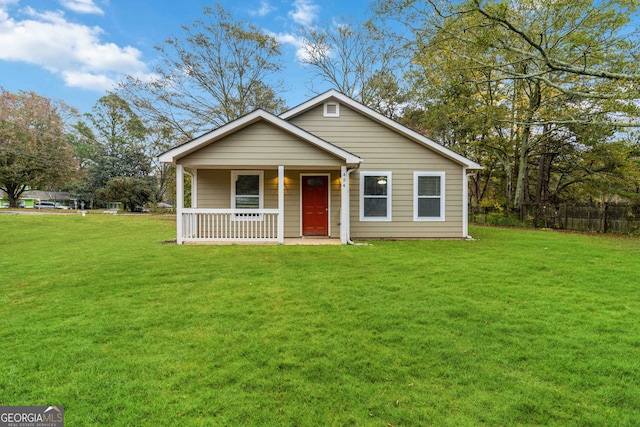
point(515, 328)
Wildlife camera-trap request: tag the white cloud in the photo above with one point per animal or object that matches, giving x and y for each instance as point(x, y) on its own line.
point(303, 50)
point(85, 80)
point(293, 40)
point(305, 12)
point(286, 38)
point(81, 6)
point(72, 51)
point(265, 9)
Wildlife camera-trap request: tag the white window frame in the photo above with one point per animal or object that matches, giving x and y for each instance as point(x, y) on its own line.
point(364, 174)
point(417, 175)
point(234, 177)
point(326, 109)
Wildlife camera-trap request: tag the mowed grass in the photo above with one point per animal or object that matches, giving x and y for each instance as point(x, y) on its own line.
point(515, 328)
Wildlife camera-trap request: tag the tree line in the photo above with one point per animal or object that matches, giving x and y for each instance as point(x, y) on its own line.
point(544, 94)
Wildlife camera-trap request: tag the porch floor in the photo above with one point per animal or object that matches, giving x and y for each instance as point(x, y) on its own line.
point(289, 241)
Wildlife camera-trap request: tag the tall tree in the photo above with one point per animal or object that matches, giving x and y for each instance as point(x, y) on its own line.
point(583, 48)
point(358, 61)
point(34, 152)
point(161, 139)
point(122, 136)
point(218, 70)
point(115, 142)
point(587, 40)
point(547, 76)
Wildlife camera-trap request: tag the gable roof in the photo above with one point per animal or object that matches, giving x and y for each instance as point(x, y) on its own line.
point(383, 120)
point(189, 147)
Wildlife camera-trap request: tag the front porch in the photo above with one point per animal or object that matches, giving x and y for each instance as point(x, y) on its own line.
point(266, 222)
point(241, 165)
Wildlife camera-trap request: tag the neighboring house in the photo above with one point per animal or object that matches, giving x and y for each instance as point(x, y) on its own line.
point(329, 167)
point(29, 197)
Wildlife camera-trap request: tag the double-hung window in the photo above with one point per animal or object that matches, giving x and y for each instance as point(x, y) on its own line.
point(428, 196)
point(247, 191)
point(375, 196)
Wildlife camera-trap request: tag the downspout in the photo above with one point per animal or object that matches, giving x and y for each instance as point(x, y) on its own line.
point(348, 189)
point(467, 175)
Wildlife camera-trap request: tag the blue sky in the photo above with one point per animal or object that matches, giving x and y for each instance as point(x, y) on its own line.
point(76, 50)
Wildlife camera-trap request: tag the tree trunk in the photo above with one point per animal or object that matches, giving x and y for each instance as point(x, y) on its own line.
point(14, 192)
point(522, 181)
point(523, 171)
point(543, 193)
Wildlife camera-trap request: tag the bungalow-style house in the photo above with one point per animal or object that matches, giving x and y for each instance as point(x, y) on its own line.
point(29, 198)
point(329, 167)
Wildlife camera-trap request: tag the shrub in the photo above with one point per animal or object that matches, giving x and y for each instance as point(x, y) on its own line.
point(505, 219)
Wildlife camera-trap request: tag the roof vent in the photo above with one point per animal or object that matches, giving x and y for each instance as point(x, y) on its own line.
point(331, 109)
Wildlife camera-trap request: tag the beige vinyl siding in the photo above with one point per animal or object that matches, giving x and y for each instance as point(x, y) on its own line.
point(214, 192)
point(214, 189)
point(261, 144)
point(385, 150)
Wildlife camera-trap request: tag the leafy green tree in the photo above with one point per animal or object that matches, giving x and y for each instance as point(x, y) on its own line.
point(85, 147)
point(606, 172)
point(217, 71)
point(585, 49)
point(132, 191)
point(114, 141)
point(162, 138)
point(529, 86)
point(121, 135)
point(590, 43)
point(34, 152)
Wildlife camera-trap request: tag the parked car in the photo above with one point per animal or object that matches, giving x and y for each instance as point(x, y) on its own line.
point(44, 205)
point(61, 206)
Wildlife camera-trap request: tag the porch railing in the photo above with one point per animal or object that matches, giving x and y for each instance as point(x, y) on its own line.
point(230, 225)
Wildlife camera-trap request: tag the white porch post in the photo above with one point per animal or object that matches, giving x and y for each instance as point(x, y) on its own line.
point(281, 204)
point(344, 205)
point(179, 201)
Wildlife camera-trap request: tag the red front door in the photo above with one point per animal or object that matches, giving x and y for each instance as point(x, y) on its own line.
point(315, 205)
